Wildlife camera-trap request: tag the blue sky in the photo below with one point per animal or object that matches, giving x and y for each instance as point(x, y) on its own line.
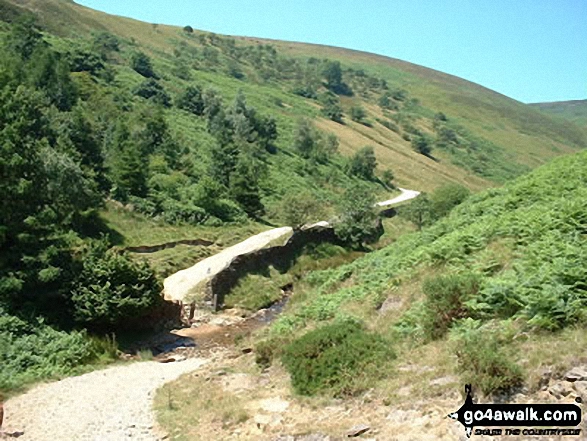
point(530, 50)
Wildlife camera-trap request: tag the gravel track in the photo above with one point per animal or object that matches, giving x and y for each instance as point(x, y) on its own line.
point(113, 404)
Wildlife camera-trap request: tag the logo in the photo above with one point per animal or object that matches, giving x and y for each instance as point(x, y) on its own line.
point(518, 415)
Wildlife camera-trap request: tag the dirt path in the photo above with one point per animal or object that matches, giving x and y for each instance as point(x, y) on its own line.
point(186, 282)
point(116, 403)
point(107, 405)
point(405, 196)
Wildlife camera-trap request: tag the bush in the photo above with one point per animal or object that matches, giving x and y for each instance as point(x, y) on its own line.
point(421, 144)
point(141, 64)
point(191, 100)
point(300, 209)
point(111, 287)
point(446, 197)
point(331, 107)
point(151, 89)
point(484, 359)
point(357, 220)
point(363, 164)
point(341, 359)
point(446, 298)
point(265, 352)
point(358, 114)
point(34, 351)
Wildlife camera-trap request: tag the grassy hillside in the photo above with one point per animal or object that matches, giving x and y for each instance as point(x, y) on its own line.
point(496, 137)
point(575, 111)
point(119, 133)
point(474, 298)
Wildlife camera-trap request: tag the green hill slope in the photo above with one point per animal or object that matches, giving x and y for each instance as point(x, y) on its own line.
point(488, 137)
point(575, 111)
point(118, 132)
point(493, 295)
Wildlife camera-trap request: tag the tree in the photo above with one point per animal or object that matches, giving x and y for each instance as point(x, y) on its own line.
point(84, 60)
point(387, 178)
point(191, 100)
point(151, 89)
point(358, 114)
point(105, 43)
point(305, 138)
point(141, 64)
point(331, 107)
point(24, 37)
point(357, 218)
point(300, 209)
point(331, 144)
point(129, 169)
point(244, 188)
point(333, 73)
point(48, 72)
point(421, 144)
point(418, 211)
point(112, 287)
point(188, 29)
point(363, 164)
point(446, 197)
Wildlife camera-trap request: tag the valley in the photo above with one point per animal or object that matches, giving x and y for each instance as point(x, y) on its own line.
point(192, 245)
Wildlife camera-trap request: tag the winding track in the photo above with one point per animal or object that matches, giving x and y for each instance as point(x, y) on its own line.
point(183, 283)
point(116, 403)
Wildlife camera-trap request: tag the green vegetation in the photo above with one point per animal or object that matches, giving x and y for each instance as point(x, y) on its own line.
point(485, 357)
point(358, 222)
point(336, 358)
point(140, 133)
point(426, 210)
point(513, 253)
point(575, 111)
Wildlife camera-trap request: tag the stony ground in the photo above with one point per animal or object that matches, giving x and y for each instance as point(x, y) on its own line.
point(107, 405)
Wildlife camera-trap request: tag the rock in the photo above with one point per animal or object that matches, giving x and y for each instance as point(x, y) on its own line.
point(391, 304)
point(357, 430)
point(559, 390)
point(576, 374)
point(274, 405)
point(581, 389)
point(173, 359)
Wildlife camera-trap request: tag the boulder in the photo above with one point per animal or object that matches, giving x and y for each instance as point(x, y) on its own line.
point(576, 374)
point(357, 430)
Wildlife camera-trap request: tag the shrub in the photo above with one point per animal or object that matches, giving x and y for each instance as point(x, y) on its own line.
point(112, 287)
point(446, 197)
point(192, 100)
point(264, 352)
point(339, 359)
point(445, 302)
point(141, 64)
point(421, 144)
point(387, 178)
point(300, 209)
point(484, 358)
point(151, 89)
point(358, 114)
point(34, 351)
point(331, 107)
point(363, 164)
point(357, 220)
point(188, 29)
